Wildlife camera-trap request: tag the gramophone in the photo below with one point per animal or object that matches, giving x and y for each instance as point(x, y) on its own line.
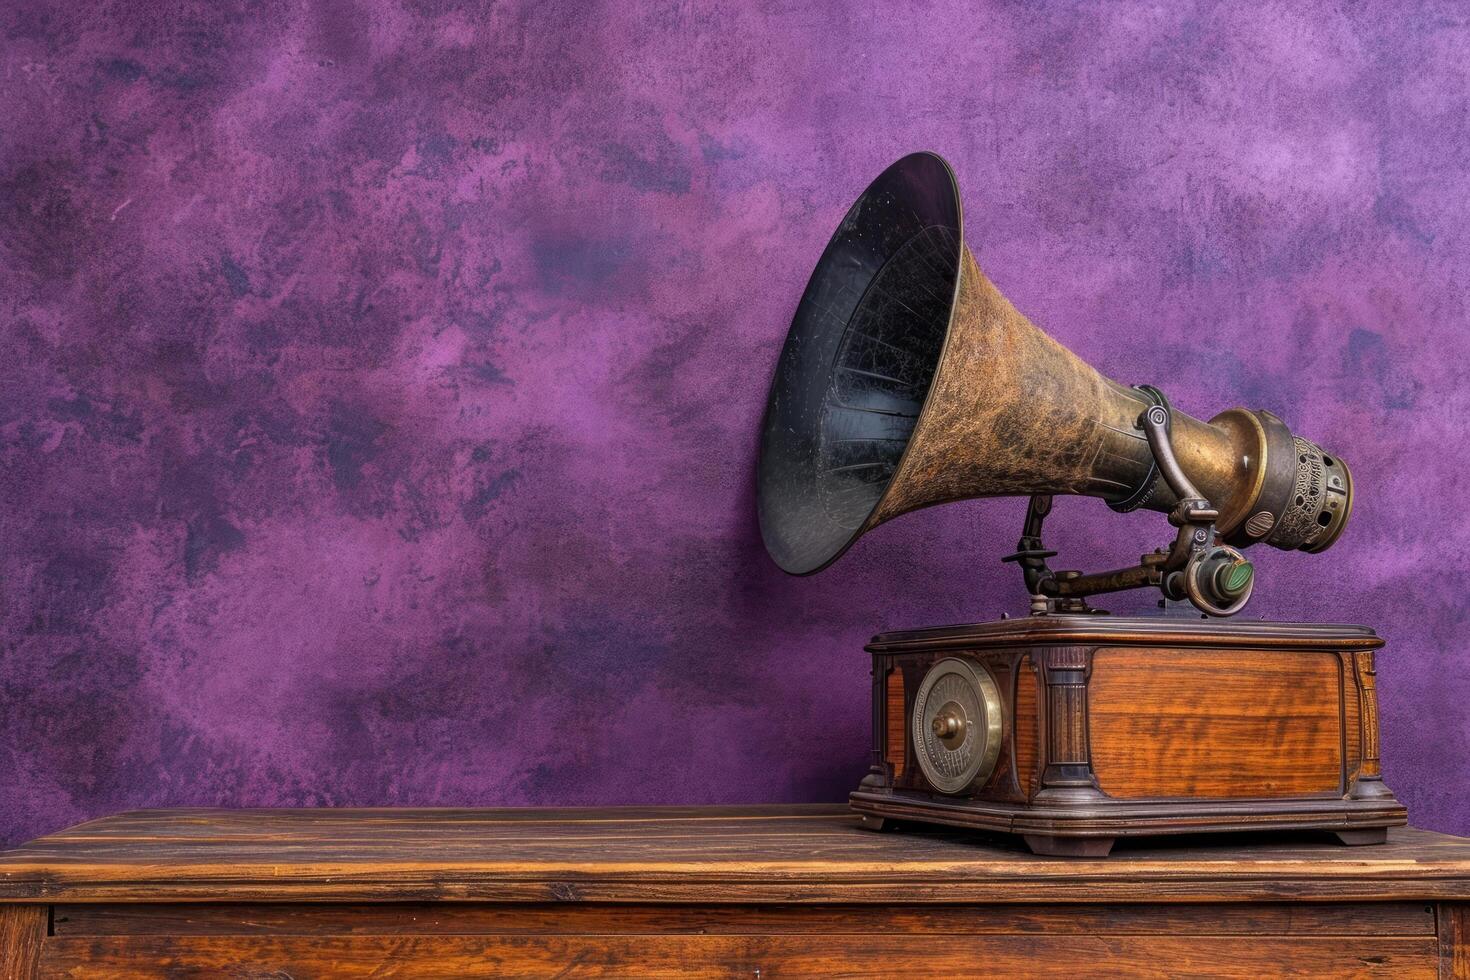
point(907, 380)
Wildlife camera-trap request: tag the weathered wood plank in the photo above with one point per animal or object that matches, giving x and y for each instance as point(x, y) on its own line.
point(1347, 919)
point(750, 956)
point(761, 855)
point(793, 891)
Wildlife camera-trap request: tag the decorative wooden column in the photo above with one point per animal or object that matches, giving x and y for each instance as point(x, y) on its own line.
point(1067, 779)
point(1368, 785)
point(1067, 776)
point(878, 775)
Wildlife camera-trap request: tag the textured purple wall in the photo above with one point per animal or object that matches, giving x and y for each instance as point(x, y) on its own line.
point(381, 380)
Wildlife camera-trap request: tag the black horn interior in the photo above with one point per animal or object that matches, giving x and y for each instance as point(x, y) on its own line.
point(858, 362)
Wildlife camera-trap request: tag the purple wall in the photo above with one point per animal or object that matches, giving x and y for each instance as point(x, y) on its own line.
point(379, 382)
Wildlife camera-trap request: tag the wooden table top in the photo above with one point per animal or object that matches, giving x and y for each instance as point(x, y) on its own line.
point(681, 854)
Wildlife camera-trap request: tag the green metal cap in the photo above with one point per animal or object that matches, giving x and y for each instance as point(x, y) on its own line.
point(1233, 578)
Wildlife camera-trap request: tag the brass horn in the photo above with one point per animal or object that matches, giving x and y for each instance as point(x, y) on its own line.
point(908, 380)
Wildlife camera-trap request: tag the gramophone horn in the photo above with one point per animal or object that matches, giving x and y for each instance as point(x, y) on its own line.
point(908, 380)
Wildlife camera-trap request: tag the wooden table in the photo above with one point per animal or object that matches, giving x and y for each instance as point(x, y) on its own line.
point(746, 891)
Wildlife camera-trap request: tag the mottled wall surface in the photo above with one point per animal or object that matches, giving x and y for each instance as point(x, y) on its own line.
point(379, 381)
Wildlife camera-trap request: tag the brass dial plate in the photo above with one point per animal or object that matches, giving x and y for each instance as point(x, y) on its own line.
point(956, 725)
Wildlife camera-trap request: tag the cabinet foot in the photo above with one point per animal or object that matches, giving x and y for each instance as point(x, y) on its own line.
point(1091, 847)
point(1356, 838)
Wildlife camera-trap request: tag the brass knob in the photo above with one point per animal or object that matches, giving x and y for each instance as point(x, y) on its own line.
point(947, 725)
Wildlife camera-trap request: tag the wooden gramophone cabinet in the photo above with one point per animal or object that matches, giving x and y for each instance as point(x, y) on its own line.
point(1123, 726)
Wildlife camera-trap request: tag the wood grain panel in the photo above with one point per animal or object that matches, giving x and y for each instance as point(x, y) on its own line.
point(1025, 731)
point(749, 956)
point(1454, 940)
point(1382, 919)
point(1215, 723)
point(896, 732)
point(22, 932)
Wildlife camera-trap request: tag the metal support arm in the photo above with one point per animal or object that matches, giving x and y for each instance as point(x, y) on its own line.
point(1215, 578)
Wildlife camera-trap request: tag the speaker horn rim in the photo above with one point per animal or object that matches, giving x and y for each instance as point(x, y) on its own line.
point(949, 187)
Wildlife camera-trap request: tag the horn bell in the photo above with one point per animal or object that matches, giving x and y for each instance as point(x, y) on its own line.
point(908, 380)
